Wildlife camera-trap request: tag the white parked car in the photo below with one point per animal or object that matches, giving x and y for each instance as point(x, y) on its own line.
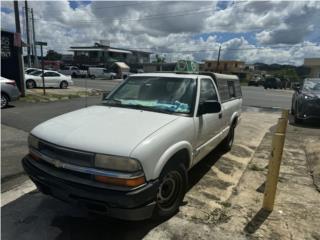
point(51, 79)
point(129, 157)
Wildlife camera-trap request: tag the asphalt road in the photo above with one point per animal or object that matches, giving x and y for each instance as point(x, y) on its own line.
point(267, 98)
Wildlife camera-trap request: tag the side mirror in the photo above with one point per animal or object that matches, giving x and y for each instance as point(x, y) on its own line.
point(209, 106)
point(296, 88)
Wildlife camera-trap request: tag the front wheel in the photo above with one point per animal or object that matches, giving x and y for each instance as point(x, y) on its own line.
point(30, 84)
point(171, 191)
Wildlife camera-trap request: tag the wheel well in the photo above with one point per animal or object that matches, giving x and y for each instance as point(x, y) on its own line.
point(181, 156)
point(234, 121)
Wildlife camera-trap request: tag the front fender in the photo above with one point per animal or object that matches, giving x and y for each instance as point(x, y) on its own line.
point(169, 153)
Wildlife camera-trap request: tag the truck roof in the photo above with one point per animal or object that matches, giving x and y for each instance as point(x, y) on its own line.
point(186, 75)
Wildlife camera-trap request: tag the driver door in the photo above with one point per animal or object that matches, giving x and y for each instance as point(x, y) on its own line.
point(208, 126)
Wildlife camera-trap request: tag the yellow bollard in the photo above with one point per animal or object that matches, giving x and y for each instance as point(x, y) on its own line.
point(273, 171)
point(285, 113)
point(282, 125)
point(275, 162)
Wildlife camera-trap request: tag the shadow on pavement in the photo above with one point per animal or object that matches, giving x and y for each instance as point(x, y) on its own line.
point(257, 221)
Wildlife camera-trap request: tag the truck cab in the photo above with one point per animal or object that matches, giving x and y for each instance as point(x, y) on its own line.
point(129, 157)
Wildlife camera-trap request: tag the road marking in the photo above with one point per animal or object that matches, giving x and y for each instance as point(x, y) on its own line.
point(17, 192)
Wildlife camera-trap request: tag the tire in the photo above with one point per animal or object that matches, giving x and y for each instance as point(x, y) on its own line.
point(74, 75)
point(30, 84)
point(4, 100)
point(227, 143)
point(296, 119)
point(64, 85)
point(171, 191)
point(112, 77)
point(92, 76)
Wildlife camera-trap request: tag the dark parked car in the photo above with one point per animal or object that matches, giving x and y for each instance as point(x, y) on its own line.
point(272, 82)
point(306, 100)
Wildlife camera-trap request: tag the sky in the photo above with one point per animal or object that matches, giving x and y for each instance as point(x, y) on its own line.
point(283, 32)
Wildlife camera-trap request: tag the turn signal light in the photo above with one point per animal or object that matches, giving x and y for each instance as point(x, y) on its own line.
point(133, 182)
point(34, 156)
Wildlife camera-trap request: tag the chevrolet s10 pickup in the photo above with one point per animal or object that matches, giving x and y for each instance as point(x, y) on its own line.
point(129, 157)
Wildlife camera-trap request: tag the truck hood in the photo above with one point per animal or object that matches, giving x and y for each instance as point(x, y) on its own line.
point(102, 129)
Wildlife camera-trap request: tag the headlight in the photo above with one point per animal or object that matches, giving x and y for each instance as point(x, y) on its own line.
point(309, 97)
point(33, 141)
point(116, 163)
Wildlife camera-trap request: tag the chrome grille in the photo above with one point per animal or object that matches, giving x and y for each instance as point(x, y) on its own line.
point(66, 155)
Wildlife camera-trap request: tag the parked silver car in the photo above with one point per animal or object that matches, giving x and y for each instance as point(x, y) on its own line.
point(9, 91)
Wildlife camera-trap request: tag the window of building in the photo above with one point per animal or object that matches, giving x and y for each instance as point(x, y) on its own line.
point(209, 64)
point(225, 67)
point(236, 65)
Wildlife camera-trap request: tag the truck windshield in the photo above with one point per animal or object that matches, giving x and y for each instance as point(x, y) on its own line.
point(161, 94)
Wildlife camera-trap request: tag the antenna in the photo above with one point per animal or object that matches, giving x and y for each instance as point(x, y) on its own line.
point(86, 95)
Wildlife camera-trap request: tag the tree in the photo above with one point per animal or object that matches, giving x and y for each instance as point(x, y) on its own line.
point(160, 59)
point(53, 55)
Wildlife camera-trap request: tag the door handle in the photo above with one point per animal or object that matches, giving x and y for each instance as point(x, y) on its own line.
point(220, 115)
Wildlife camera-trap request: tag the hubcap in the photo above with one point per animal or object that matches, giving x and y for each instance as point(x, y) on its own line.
point(169, 190)
point(30, 84)
point(3, 101)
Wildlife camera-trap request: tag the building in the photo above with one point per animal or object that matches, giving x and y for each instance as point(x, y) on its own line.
point(314, 65)
point(227, 67)
point(224, 66)
point(104, 55)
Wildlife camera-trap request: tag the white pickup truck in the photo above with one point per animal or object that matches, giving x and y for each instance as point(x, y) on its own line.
point(73, 71)
point(129, 157)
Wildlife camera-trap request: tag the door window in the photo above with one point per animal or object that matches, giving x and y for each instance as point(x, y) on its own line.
point(207, 90)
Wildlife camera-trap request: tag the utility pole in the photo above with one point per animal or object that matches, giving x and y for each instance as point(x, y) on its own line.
point(42, 65)
point(218, 62)
point(20, 61)
point(28, 34)
point(34, 41)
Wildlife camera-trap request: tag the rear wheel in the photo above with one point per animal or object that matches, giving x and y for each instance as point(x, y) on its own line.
point(30, 84)
point(171, 191)
point(92, 76)
point(4, 100)
point(63, 84)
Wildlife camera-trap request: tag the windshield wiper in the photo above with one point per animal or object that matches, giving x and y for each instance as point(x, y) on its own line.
point(141, 107)
point(112, 101)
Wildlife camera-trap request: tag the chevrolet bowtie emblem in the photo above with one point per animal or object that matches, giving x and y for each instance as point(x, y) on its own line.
point(57, 163)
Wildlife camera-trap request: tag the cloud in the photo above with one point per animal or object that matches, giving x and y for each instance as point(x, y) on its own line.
point(181, 29)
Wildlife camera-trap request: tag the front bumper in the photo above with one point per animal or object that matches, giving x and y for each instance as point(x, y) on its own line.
point(309, 110)
point(137, 204)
